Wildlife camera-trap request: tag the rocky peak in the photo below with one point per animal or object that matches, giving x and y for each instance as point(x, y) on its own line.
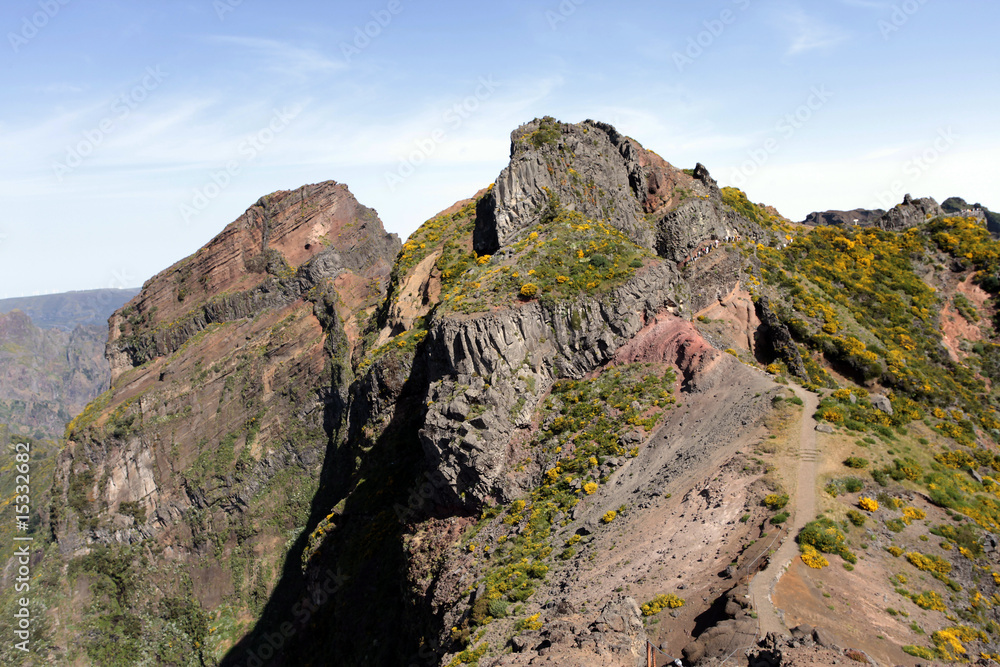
point(281, 247)
point(592, 168)
point(589, 168)
point(911, 212)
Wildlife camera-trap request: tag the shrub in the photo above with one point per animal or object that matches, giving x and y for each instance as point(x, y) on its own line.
point(529, 290)
point(856, 462)
point(933, 564)
point(912, 513)
point(589, 488)
point(497, 608)
point(813, 558)
point(868, 504)
point(775, 502)
point(661, 602)
point(856, 517)
point(920, 652)
point(824, 535)
point(529, 623)
point(609, 516)
point(895, 525)
point(779, 519)
point(895, 551)
point(929, 600)
point(853, 484)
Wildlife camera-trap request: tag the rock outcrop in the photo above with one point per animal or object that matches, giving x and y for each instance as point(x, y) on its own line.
point(775, 338)
point(283, 246)
point(902, 216)
point(909, 213)
point(593, 169)
point(860, 216)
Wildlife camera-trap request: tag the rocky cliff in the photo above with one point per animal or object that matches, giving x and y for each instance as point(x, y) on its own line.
point(230, 375)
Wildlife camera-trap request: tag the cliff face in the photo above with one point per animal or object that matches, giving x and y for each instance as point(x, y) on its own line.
point(230, 375)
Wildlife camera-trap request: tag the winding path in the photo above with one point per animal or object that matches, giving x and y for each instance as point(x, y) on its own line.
point(803, 510)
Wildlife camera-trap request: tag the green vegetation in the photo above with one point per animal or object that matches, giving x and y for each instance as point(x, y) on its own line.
point(825, 536)
point(856, 297)
point(965, 308)
point(583, 419)
point(661, 602)
point(559, 259)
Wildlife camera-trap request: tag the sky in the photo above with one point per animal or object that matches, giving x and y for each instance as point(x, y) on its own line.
point(131, 133)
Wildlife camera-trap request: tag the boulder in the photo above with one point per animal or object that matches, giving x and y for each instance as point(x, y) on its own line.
point(882, 403)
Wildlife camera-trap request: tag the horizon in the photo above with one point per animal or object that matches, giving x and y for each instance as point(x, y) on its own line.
point(136, 134)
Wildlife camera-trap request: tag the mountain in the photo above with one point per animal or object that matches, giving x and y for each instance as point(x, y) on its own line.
point(68, 310)
point(602, 409)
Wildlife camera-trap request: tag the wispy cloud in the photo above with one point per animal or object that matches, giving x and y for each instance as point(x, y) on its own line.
point(281, 56)
point(809, 33)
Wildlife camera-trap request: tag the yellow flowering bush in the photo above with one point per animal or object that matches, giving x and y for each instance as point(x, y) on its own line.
point(813, 558)
point(661, 602)
point(868, 504)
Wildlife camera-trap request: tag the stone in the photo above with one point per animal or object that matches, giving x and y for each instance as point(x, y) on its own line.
point(824, 428)
point(803, 631)
point(882, 403)
point(693, 652)
point(822, 637)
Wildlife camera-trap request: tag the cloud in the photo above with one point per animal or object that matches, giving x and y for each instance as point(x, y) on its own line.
point(809, 33)
point(282, 57)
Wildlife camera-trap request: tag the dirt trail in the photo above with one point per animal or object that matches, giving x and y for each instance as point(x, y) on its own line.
point(802, 508)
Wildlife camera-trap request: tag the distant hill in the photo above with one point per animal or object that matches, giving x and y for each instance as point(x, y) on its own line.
point(68, 310)
point(48, 375)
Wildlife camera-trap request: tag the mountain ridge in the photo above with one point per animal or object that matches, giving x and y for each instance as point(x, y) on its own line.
point(556, 400)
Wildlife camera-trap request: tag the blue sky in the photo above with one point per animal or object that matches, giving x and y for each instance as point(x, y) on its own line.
point(131, 133)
